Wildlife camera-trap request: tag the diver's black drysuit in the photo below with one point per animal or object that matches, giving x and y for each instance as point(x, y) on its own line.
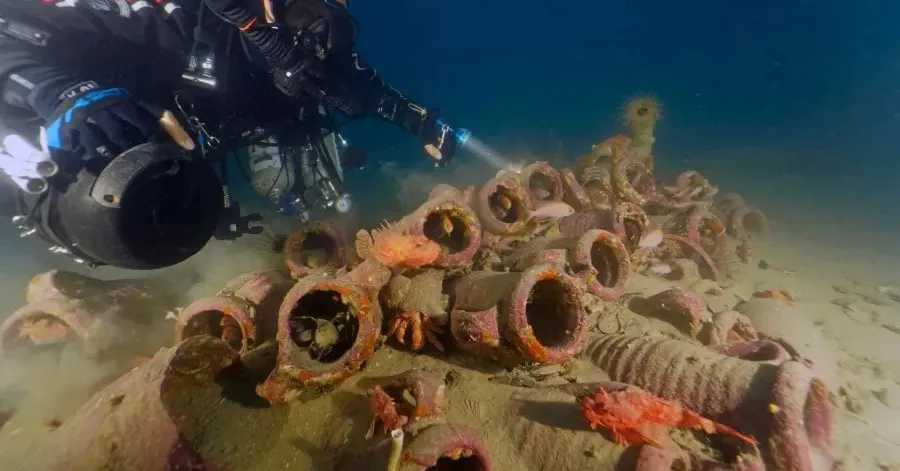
point(46, 49)
point(97, 74)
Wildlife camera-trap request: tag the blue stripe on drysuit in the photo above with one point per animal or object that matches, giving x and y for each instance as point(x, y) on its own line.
point(54, 138)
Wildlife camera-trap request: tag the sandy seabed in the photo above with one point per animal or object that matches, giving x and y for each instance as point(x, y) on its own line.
point(837, 288)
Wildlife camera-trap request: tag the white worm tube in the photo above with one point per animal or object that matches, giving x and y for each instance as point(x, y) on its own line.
point(396, 449)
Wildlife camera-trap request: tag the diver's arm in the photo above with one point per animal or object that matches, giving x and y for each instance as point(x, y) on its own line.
point(51, 53)
point(358, 91)
point(89, 75)
point(147, 49)
point(29, 87)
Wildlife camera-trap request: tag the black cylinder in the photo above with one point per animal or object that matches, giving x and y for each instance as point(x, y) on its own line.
point(151, 207)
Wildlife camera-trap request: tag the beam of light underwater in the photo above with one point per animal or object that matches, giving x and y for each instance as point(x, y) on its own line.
point(476, 147)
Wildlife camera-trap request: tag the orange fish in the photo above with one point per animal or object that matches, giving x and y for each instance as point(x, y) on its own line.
point(776, 294)
point(446, 224)
point(395, 249)
point(634, 416)
point(421, 251)
point(505, 202)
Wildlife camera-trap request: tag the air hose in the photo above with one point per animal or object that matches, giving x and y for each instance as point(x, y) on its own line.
point(270, 44)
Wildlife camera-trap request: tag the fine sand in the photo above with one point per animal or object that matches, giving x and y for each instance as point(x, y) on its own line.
point(834, 282)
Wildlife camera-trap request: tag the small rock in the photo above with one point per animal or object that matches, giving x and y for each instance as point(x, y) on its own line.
point(890, 293)
point(707, 287)
point(548, 370)
point(875, 297)
point(886, 396)
point(581, 371)
point(843, 289)
point(845, 301)
point(719, 304)
point(594, 304)
point(554, 381)
point(453, 378)
point(850, 398)
point(893, 328)
point(883, 466)
point(515, 378)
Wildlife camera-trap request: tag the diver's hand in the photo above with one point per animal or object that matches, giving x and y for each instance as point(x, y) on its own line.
point(105, 122)
point(433, 152)
point(438, 138)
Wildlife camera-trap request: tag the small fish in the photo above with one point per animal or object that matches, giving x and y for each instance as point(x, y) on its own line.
point(651, 239)
point(505, 202)
point(774, 409)
point(551, 210)
point(53, 424)
point(316, 258)
point(446, 224)
point(636, 180)
point(661, 268)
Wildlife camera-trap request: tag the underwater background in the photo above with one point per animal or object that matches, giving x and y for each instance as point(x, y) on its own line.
point(794, 104)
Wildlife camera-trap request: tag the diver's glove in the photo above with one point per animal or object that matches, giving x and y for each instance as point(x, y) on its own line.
point(104, 122)
point(438, 137)
point(232, 225)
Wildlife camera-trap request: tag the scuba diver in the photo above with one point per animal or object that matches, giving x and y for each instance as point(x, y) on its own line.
point(117, 117)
